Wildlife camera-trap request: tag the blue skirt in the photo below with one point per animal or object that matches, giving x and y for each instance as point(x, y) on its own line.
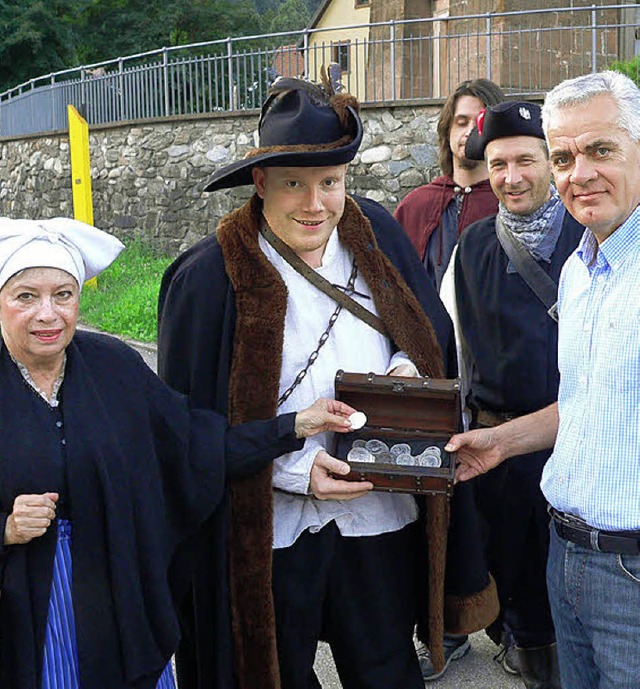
point(60, 666)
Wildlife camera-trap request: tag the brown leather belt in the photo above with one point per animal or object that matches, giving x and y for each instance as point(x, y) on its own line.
point(484, 417)
point(579, 532)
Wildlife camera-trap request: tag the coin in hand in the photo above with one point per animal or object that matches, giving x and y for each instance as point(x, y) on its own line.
point(358, 419)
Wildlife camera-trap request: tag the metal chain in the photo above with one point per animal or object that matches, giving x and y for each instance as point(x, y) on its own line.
point(323, 338)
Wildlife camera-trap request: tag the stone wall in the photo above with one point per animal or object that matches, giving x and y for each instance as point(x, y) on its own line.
point(147, 176)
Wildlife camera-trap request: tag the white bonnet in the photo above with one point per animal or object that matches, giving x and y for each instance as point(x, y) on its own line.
point(80, 249)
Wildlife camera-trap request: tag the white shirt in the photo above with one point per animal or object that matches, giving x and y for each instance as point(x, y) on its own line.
point(352, 346)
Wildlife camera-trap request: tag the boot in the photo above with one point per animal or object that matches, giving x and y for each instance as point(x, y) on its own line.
point(539, 667)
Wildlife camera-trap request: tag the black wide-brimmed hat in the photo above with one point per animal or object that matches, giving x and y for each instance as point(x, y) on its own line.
point(301, 125)
point(510, 118)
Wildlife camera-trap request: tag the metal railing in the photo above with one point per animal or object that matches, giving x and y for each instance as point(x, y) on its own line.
point(525, 52)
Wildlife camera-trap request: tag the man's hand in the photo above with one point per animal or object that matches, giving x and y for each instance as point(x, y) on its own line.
point(325, 487)
point(478, 452)
point(485, 448)
point(323, 415)
point(31, 517)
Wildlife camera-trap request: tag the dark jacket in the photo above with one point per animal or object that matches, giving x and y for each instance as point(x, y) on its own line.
point(421, 210)
point(139, 470)
point(514, 346)
point(222, 308)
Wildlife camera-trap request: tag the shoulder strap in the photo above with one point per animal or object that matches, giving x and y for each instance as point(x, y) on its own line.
point(318, 281)
point(529, 270)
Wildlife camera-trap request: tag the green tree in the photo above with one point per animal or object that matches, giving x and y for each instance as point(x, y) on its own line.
point(630, 68)
point(36, 37)
point(116, 28)
point(292, 15)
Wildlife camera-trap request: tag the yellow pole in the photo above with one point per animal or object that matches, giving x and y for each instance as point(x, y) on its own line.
point(80, 170)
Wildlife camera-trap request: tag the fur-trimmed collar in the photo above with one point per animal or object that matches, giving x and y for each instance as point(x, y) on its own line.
point(261, 302)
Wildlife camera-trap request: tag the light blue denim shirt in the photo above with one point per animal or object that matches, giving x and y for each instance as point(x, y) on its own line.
point(594, 472)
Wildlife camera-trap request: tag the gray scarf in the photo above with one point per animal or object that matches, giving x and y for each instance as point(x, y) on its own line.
point(538, 232)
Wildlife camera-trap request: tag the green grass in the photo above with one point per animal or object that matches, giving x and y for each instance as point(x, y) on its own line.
point(125, 301)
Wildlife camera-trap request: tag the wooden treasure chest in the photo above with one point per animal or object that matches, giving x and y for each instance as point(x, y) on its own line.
point(409, 421)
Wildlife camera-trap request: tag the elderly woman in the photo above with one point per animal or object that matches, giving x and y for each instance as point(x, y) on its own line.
point(104, 471)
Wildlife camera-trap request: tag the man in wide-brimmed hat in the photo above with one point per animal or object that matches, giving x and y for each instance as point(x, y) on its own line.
point(311, 555)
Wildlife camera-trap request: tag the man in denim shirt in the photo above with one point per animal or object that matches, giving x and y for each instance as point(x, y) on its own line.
point(592, 480)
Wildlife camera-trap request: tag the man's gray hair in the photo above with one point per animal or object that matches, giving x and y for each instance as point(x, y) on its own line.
point(581, 90)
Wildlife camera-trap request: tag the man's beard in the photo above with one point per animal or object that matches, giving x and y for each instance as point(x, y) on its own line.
point(466, 164)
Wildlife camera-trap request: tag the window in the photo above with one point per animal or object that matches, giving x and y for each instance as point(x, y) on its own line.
point(362, 3)
point(342, 55)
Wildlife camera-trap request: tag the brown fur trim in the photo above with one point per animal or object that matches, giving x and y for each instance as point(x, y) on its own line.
point(396, 304)
point(437, 529)
point(261, 300)
point(300, 148)
point(465, 615)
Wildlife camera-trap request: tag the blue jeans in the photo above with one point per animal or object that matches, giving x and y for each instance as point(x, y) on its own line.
point(595, 603)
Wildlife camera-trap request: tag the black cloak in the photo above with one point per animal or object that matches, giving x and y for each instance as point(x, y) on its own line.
point(138, 470)
point(231, 302)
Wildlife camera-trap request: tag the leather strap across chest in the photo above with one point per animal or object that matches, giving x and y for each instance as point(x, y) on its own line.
point(320, 283)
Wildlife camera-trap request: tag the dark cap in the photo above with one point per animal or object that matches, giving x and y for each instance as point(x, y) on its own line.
point(302, 125)
point(511, 118)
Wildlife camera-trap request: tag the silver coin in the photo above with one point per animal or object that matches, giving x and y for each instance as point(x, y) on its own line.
point(434, 449)
point(429, 460)
point(400, 449)
point(360, 454)
point(359, 443)
point(385, 458)
point(358, 419)
point(406, 459)
point(376, 446)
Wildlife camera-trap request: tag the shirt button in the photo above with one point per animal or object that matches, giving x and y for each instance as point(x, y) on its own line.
point(582, 380)
point(586, 327)
point(63, 441)
point(59, 424)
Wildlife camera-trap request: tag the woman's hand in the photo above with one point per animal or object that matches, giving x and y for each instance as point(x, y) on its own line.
point(323, 415)
point(31, 517)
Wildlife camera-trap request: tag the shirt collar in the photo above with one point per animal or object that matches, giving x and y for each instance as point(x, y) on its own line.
point(330, 253)
point(614, 249)
point(52, 401)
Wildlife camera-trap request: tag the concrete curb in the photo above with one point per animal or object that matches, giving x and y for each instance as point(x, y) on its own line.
point(150, 347)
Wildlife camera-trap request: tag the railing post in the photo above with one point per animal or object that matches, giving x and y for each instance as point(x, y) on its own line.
point(305, 44)
point(392, 39)
point(488, 29)
point(83, 93)
point(165, 73)
point(230, 72)
point(53, 102)
point(121, 87)
point(32, 83)
point(594, 41)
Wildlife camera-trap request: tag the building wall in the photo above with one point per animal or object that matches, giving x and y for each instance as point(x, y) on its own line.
point(528, 51)
point(322, 45)
point(147, 177)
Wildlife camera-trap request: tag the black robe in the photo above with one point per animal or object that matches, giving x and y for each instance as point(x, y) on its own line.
point(202, 338)
point(514, 347)
point(139, 471)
